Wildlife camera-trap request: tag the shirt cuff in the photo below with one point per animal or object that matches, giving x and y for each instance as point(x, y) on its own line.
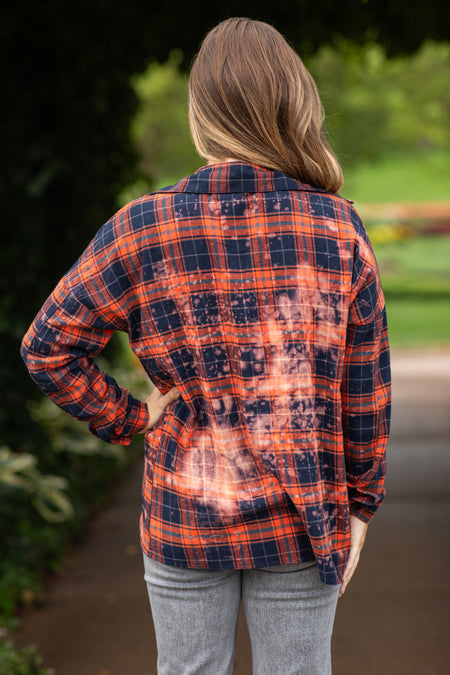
point(364, 512)
point(136, 419)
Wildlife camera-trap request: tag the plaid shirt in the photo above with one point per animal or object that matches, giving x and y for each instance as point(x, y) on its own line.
point(259, 298)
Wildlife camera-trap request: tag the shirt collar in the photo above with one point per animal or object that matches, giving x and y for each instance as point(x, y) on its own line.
point(238, 177)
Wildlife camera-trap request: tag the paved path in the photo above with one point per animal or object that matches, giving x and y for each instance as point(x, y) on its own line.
point(395, 617)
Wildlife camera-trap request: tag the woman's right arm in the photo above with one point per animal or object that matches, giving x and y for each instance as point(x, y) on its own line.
point(366, 389)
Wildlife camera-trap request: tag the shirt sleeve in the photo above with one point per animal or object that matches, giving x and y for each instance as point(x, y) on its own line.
point(76, 322)
point(366, 388)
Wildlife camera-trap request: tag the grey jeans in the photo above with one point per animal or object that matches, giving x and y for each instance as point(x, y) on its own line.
point(289, 614)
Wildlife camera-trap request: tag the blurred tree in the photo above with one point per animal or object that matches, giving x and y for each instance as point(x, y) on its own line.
point(160, 128)
point(66, 154)
point(399, 25)
point(378, 107)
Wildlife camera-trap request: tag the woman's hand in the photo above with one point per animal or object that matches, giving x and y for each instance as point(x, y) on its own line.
point(359, 530)
point(157, 403)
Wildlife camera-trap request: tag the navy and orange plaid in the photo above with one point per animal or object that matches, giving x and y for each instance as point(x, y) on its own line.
point(259, 298)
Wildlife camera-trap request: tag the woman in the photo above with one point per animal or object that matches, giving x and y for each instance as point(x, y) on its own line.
point(251, 296)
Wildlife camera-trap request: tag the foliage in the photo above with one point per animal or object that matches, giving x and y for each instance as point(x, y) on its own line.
point(160, 128)
point(20, 661)
point(33, 540)
point(399, 25)
point(379, 107)
point(48, 493)
point(388, 233)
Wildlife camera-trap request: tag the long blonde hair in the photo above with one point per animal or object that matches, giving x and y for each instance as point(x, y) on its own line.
point(252, 99)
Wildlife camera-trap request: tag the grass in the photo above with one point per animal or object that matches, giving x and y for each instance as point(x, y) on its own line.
point(418, 323)
point(416, 280)
point(415, 178)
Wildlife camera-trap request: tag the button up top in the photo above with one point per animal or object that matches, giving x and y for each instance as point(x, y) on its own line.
point(259, 298)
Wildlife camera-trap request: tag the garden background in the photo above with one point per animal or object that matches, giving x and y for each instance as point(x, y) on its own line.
point(94, 114)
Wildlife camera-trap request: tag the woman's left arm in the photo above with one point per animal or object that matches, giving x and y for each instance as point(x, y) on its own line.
point(58, 350)
point(88, 305)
